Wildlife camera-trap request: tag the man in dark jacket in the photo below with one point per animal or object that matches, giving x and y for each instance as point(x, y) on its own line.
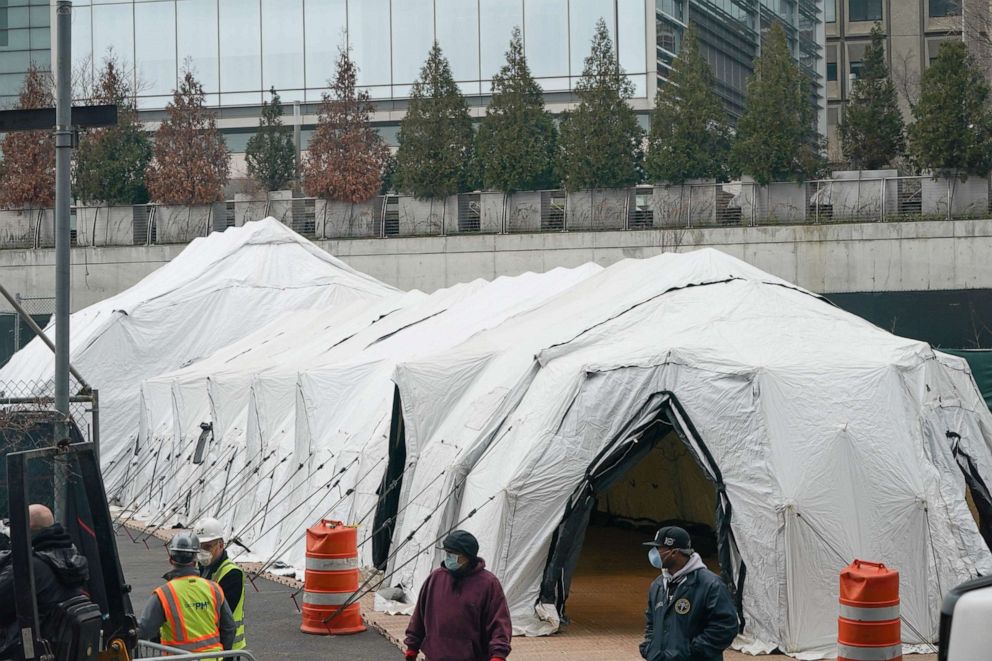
point(690, 615)
point(461, 613)
point(60, 573)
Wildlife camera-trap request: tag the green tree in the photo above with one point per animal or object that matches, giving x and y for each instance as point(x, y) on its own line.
point(111, 162)
point(952, 131)
point(435, 138)
point(777, 138)
point(601, 139)
point(270, 155)
point(517, 138)
point(871, 133)
point(690, 136)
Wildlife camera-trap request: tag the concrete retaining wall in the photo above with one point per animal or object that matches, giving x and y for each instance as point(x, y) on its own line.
point(855, 257)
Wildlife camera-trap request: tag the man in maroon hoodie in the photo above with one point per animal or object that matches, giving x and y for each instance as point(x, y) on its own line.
point(461, 613)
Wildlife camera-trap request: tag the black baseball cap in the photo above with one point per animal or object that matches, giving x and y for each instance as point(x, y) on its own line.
point(671, 537)
point(461, 541)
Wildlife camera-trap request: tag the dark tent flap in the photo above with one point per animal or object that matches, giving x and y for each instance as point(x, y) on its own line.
point(980, 361)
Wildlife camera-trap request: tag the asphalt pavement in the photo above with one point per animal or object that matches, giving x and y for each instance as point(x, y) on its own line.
point(271, 620)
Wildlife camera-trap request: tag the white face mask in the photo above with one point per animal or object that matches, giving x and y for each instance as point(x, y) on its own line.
point(203, 558)
point(451, 561)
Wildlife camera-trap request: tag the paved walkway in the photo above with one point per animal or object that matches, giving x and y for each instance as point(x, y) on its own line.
point(271, 618)
point(273, 623)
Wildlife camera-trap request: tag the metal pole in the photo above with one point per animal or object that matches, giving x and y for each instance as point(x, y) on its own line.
point(26, 318)
point(95, 415)
point(297, 135)
point(63, 157)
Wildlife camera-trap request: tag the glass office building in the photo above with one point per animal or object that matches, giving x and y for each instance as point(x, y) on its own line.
point(238, 49)
point(25, 39)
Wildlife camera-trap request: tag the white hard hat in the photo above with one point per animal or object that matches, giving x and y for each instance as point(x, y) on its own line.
point(209, 530)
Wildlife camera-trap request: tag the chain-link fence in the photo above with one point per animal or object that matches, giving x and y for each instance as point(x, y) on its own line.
point(28, 421)
point(15, 332)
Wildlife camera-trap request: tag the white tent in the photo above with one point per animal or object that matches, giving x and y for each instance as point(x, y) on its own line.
point(311, 415)
point(824, 439)
point(217, 290)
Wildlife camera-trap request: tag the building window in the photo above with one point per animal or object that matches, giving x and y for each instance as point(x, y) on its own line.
point(830, 11)
point(669, 37)
point(933, 49)
point(864, 10)
point(3, 23)
point(671, 7)
point(831, 71)
point(940, 8)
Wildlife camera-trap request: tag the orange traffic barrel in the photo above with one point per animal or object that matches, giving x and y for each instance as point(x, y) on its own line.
point(868, 628)
point(331, 580)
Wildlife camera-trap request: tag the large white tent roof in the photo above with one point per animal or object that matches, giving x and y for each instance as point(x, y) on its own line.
point(309, 412)
point(826, 438)
point(217, 290)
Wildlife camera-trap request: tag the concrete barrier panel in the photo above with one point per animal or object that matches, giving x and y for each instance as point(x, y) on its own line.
point(861, 193)
point(181, 224)
point(968, 198)
point(18, 228)
point(104, 226)
point(343, 220)
point(491, 212)
point(523, 212)
point(601, 209)
point(427, 217)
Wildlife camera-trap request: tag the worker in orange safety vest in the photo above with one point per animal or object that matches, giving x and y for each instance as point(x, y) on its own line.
point(188, 612)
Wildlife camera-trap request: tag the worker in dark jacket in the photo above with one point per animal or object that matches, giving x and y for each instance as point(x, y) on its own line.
point(60, 573)
point(461, 613)
point(690, 615)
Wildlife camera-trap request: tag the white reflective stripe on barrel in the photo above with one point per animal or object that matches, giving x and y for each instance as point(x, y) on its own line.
point(869, 653)
point(327, 598)
point(869, 614)
point(332, 564)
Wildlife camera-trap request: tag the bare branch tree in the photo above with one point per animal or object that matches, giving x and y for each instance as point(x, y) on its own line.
point(906, 76)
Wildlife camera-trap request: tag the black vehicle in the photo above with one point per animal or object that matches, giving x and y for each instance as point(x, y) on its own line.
point(99, 624)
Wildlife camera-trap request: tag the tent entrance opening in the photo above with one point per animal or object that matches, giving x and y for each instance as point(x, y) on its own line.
point(611, 578)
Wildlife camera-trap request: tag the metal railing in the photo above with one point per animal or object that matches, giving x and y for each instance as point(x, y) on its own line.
point(156, 652)
point(682, 206)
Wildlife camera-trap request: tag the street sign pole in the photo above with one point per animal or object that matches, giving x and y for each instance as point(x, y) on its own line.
point(63, 159)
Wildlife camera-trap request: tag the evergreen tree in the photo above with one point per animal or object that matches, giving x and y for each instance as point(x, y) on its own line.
point(28, 173)
point(190, 161)
point(346, 157)
point(601, 139)
point(690, 137)
point(952, 132)
point(872, 130)
point(517, 137)
point(435, 137)
point(388, 175)
point(111, 162)
point(270, 155)
point(777, 138)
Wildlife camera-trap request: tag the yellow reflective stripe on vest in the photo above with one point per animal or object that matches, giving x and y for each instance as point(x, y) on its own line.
point(238, 609)
point(191, 608)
